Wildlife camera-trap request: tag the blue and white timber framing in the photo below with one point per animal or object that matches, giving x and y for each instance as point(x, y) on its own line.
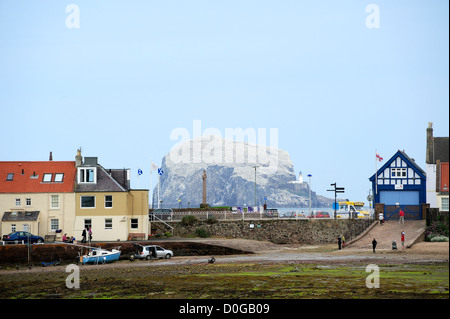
point(400, 181)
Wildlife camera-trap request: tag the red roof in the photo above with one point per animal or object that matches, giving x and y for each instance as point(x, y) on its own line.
point(28, 177)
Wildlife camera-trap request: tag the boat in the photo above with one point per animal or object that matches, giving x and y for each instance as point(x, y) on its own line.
point(348, 209)
point(100, 256)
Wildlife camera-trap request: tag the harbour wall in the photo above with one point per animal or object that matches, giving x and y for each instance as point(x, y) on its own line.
point(278, 231)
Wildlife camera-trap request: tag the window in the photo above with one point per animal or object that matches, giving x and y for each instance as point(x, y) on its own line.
point(87, 201)
point(28, 201)
point(87, 223)
point(444, 204)
point(398, 172)
point(108, 223)
point(87, 175)
point(54, 201)
point(13, 228)
point(47, 178)
point(108, 201)
point(9, 176)
point(134, 223)
point(59, 177)
point(17, 202)
point(54, 224)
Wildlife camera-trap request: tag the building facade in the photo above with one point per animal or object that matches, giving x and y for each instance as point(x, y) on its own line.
point(57, 197)
point(400, 183)
point(37, 197)
point(105, 203)
point(437, 159)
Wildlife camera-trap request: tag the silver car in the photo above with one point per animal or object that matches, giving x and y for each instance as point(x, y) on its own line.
point(151, 251)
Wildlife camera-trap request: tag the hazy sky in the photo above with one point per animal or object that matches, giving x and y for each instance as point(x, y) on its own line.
point(117, 77)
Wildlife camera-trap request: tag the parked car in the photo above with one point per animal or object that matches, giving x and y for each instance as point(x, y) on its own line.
point(271, 212)
point(19, 236)
point(320, 215)
point(151, 251)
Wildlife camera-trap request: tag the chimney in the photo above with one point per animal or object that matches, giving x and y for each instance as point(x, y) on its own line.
point(50, 158)
point(430, 144)
point(78, 158)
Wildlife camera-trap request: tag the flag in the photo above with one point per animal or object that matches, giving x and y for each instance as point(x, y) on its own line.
point(140, 172)
point(154, 167)
point(379, 157)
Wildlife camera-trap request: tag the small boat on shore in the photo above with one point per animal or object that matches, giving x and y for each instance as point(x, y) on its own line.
point(100, 256)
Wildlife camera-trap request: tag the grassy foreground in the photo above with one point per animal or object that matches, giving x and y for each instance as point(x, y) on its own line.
point(234, 281)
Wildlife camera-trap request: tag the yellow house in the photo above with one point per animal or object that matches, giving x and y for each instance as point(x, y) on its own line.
point(105, 203)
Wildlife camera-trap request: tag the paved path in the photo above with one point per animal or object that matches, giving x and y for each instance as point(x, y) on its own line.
point(389, 231)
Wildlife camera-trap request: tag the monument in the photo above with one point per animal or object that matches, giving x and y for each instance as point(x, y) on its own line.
point(204, 204)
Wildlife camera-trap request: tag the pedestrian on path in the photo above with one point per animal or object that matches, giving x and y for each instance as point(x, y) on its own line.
point(374, 245)
point(339, 242)
point(403, 239)
point(381, 218)
point(402, 216)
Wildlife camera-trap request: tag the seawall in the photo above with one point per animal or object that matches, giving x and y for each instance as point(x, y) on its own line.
point(278, 231)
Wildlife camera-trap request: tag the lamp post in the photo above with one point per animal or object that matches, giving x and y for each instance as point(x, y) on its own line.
point(309, 175)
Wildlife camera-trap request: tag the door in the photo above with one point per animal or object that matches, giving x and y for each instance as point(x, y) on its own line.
point(399, 197)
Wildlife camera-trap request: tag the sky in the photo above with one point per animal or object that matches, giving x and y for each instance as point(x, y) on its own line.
point(339, 80)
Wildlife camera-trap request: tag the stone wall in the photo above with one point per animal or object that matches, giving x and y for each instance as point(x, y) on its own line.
point(277, 231)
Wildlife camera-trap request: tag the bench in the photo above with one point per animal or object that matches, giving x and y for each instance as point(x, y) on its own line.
point(50, 238)
point(136, 236)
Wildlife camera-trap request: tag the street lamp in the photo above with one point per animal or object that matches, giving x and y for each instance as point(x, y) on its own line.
point(309, 175)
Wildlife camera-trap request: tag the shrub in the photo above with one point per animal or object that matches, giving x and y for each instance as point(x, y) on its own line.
point(188, 220)
point(168, 234)
point(202, 233)
point(439, 238)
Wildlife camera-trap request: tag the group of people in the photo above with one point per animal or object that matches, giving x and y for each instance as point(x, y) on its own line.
point(401, 219)
point(394, 244)
point(86, 232)
point(67, 239)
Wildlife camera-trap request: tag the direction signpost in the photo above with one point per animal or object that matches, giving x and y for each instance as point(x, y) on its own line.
point(336, 190)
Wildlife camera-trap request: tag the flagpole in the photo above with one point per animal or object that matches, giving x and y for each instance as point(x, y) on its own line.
point(376, 173)
point(151, 181)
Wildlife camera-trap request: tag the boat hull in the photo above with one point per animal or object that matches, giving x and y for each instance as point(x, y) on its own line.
point(101, 259)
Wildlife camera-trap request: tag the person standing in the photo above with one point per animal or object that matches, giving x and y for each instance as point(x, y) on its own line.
point(403, 239)
point(83, 235)
point(402, 216)
point(339, 242)
point(374, 245)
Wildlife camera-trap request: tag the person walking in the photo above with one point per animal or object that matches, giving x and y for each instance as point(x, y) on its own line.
point(374, 245)
point(403, 239)
point(339, 242)
point(83, 236)
point(90, 233)
point(402, 216)
point(381, 218)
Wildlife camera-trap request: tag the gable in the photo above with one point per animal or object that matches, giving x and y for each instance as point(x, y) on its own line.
point(400, 169)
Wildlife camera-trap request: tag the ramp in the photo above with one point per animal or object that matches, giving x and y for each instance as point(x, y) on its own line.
point(389, 231)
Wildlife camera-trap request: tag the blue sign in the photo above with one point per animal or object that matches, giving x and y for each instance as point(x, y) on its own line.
point(336, 206)
point(140, 172)
point(160, 171)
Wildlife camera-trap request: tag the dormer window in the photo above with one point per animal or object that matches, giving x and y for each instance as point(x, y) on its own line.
point(87, 175)
point(47, 178)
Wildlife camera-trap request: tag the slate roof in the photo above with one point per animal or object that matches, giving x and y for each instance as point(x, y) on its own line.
point(108, 180)
point(20, 216)
point(28, 177)
point(441, 149)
